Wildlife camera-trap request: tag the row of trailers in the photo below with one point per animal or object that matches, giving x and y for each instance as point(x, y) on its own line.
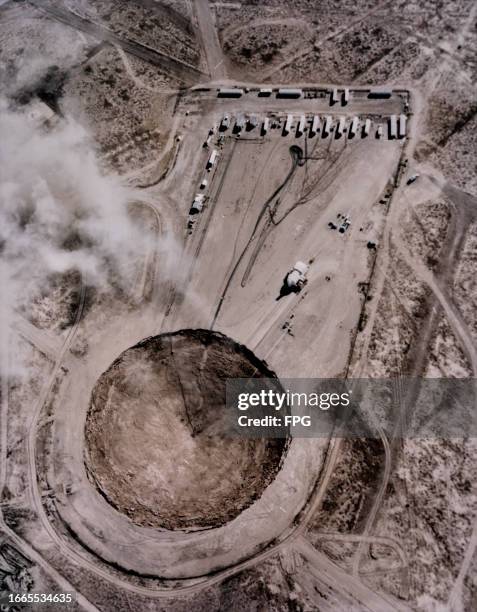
point(323, 126)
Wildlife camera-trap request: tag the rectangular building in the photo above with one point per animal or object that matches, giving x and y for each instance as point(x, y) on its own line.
point(328, 125)
point(341, 127)
point(402, 126)
point(285, 92)
point(288, 125)
point(301, 125)
point(380, 92)
point(393, 126)
point(353, 128)
point(315, 125)
point(230, 92)
point(367, 127)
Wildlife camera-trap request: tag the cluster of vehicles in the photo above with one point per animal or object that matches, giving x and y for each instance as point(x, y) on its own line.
point(314, 125)
point(342, 223)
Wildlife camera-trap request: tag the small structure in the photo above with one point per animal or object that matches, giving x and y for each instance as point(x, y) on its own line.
point(345, 96)
point(265, 92)
point(296, 278)
point(402, 126)
point(393, 126)
point(380, 93)
point(225, 123)
point(252, 122)
point(197, 204)
point(379, 131)
point(315, 126)
point(239, 124)
point(301, 125)
point(212, 159)
point(353, 128)
point(333, 96)
point(230, 92)
point(265, 126)
point(328, 125)
point(207, 142)
point(204, 183)
point(366, 127)
point(289, 93)
point(288, 125)
point(341, 127)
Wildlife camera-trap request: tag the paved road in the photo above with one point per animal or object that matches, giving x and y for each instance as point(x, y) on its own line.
point(170, 65)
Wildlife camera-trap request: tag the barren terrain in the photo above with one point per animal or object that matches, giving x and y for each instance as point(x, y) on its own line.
point(124, 310)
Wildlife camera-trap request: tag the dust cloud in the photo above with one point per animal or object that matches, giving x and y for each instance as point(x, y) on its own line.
point(58, 212)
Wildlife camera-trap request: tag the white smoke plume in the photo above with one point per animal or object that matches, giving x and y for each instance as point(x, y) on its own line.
point(58, 212)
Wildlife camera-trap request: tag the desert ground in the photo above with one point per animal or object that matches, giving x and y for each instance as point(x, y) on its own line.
point(156, 189)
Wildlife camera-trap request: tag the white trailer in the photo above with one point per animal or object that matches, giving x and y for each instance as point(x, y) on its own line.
point(265, 125)
point(212, 159)
point(328, 125)
point(315, 126)
point(341, 127)
point(353, 128)
point(301, 125)
point(402, 126)
point(393, 126)
point(265, 91)
point(334, 96)
point(288, 125)
point(367, 127)
point(379, 131)
point(346, 95)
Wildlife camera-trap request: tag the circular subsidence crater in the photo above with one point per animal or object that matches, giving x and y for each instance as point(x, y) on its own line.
point(152, 447)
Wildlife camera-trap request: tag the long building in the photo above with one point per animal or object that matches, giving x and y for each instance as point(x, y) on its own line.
point(393, 126)
point(230, 92)
point(402, 126)
point(367, 127)
point(286, 92)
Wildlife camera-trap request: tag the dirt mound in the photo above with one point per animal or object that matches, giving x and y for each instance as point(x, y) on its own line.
point(152, 447)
